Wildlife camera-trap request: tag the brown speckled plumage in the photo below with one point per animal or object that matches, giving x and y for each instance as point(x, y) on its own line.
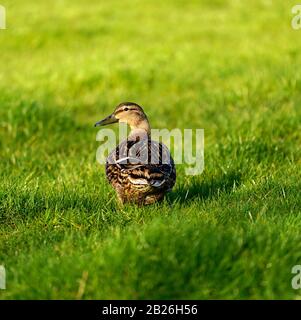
point(139, 169)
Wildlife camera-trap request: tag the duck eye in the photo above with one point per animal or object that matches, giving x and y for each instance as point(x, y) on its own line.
point(125, 109)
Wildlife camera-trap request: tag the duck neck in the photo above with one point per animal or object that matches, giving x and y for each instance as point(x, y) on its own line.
point(141, 130)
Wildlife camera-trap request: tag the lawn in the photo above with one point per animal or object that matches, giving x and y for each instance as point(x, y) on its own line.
point(229, 67)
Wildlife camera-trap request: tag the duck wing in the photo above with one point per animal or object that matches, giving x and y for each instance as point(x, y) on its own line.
point(142, 163)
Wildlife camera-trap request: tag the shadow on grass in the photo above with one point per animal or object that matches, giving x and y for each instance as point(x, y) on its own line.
point(209, 188)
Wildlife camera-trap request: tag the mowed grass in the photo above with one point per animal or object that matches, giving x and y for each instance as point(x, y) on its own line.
point(230, 67)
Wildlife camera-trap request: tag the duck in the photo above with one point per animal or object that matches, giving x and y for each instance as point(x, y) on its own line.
point(140, 169)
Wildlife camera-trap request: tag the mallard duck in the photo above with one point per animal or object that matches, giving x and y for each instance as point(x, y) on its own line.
point(139, 169)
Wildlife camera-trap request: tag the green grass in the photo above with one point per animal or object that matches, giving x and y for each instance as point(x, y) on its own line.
point(230, 67)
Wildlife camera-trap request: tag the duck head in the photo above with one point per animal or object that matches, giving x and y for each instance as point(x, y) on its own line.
point(130, 113)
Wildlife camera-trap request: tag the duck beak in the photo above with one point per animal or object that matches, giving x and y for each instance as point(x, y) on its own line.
point(108, 120)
